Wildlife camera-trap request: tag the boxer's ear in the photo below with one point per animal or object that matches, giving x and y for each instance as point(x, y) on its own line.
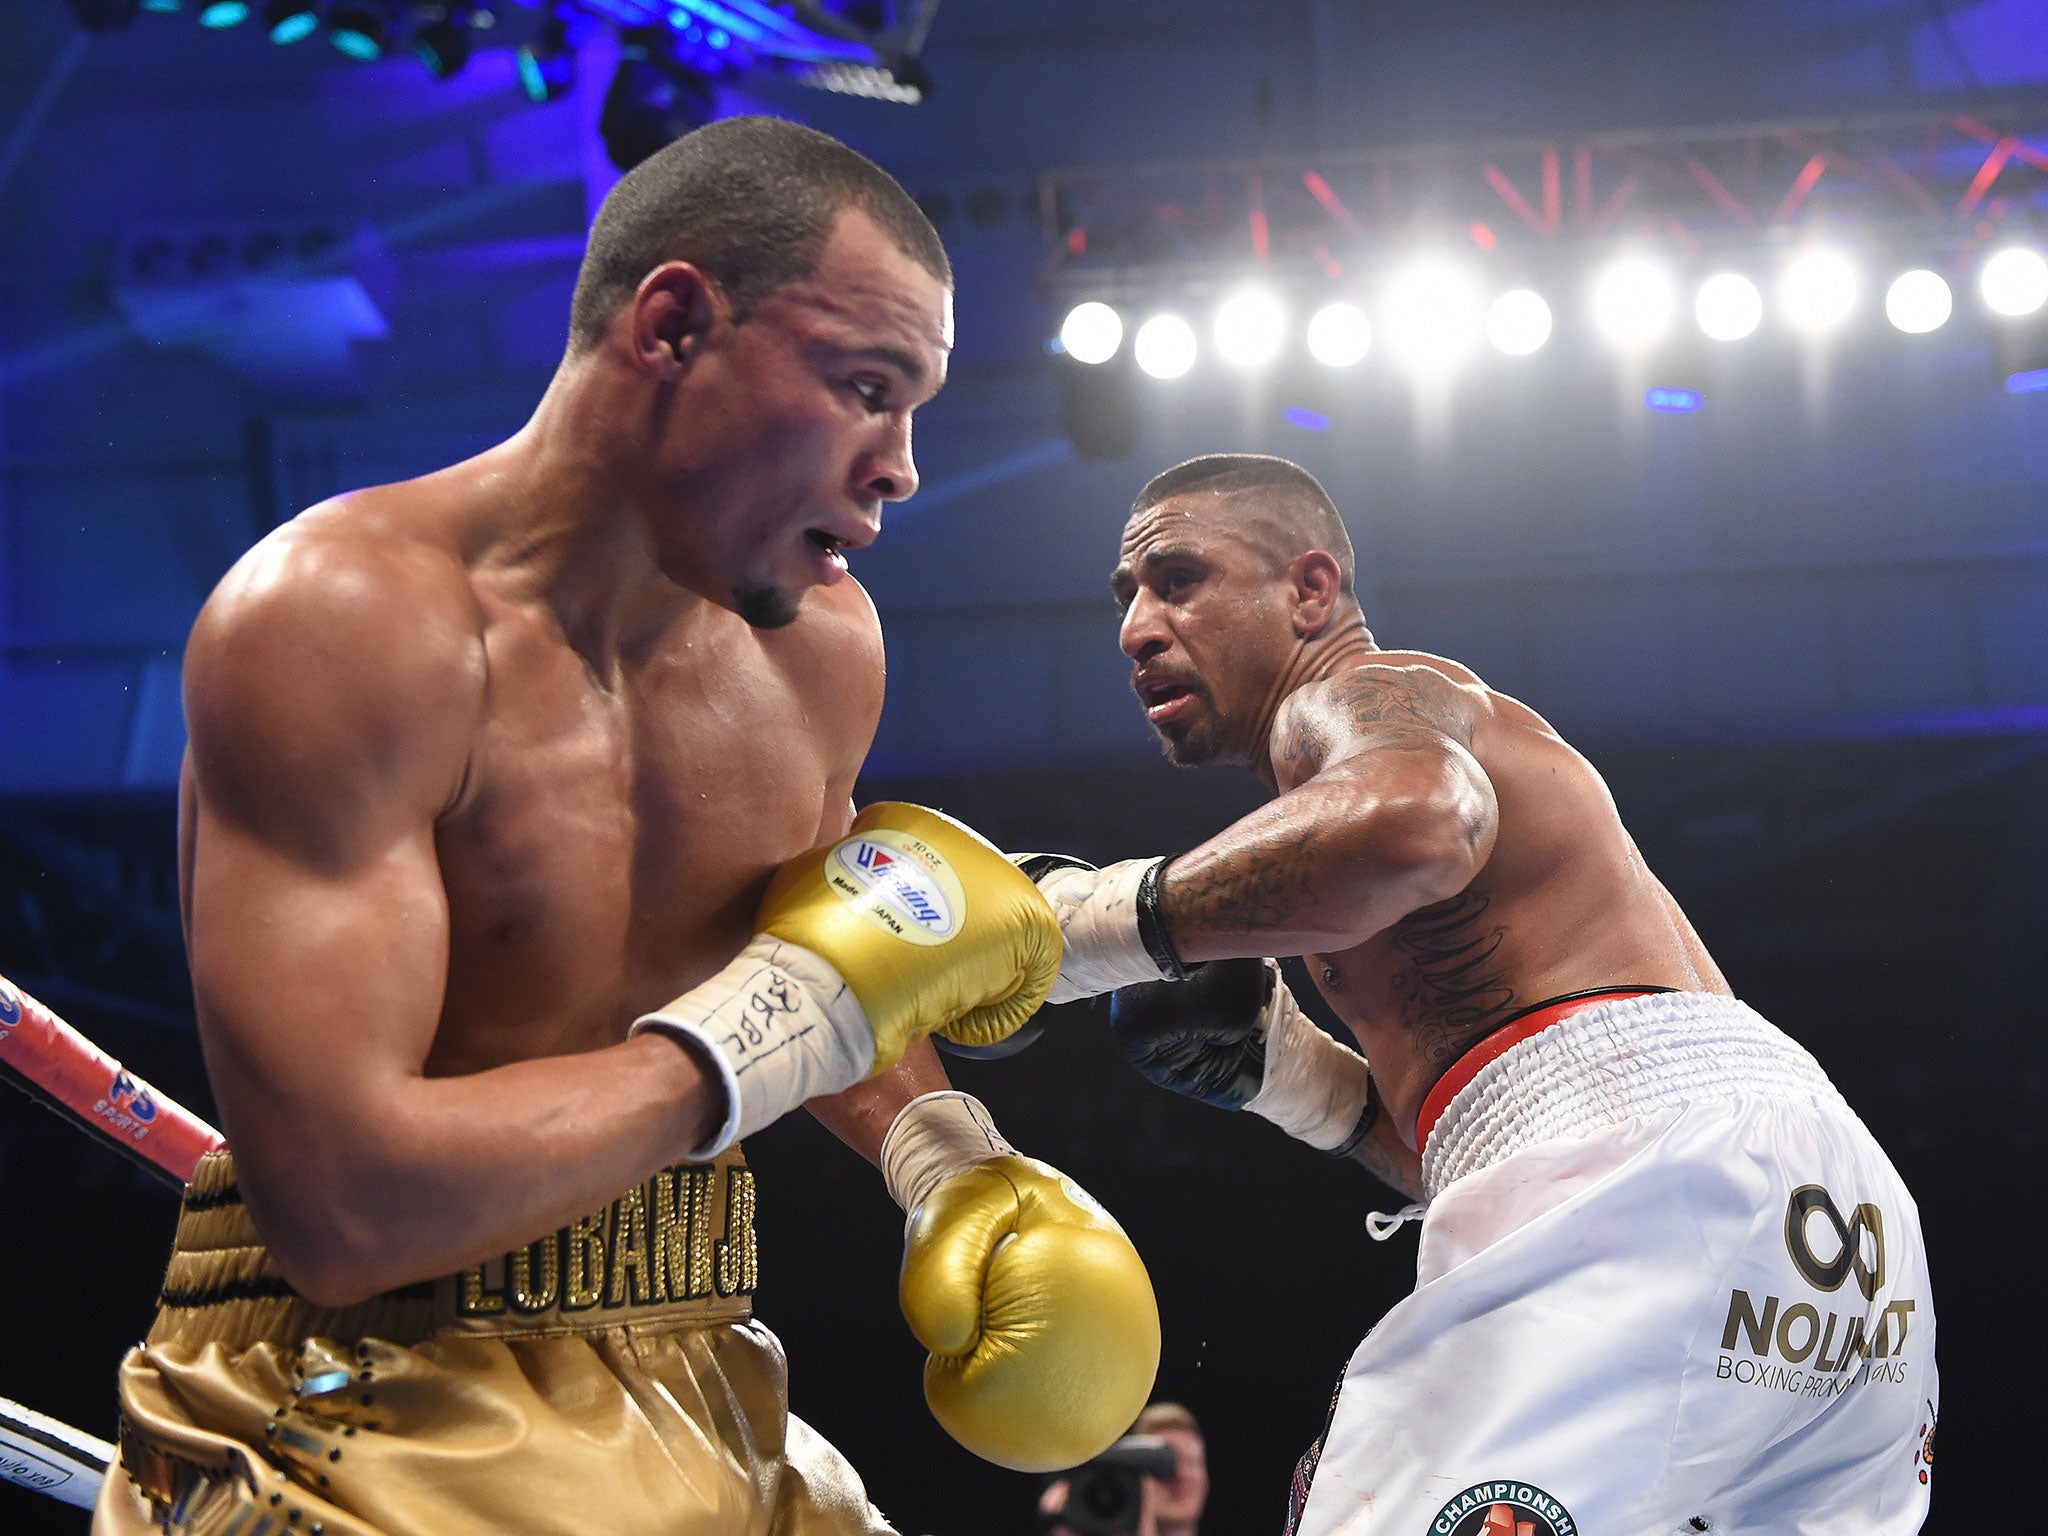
point(1318, 587)
point(673, 310)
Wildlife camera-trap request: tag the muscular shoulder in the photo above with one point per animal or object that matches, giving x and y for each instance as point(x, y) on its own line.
point(1398, 700)
point(341, 656)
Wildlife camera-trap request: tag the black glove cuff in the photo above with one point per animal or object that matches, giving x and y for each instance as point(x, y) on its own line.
point(1367, 1119)
point(1152, 926)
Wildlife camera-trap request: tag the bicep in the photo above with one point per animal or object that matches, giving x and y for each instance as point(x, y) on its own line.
point(317, 985)
point(326, 738)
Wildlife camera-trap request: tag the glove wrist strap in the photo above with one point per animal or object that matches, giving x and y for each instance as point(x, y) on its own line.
point(777, 1026)
point(934, 1137)
point(1316, 1089)
point(1152, 925)
point(1111, 929)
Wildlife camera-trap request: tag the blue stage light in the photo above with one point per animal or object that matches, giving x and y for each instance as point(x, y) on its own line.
point(1673, 402)
point(2031, 382)
point(1308, 420)
point(224, 13)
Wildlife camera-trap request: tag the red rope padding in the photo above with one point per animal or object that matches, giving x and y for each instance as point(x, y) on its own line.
point(81, 1082)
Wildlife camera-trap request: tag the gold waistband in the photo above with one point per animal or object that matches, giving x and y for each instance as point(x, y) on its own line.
point(679, 1247)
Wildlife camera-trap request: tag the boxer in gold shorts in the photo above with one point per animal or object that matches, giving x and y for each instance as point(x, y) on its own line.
point(521, 880)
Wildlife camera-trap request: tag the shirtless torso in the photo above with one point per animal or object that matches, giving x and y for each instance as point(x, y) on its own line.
point(1440, 857)
point(1564, 902)
point(483, 765)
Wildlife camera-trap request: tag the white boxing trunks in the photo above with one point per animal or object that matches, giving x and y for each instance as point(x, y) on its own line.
point(1667, 1283)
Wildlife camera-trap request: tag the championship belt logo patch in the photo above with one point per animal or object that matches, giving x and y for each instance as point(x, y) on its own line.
point(1503, 1509)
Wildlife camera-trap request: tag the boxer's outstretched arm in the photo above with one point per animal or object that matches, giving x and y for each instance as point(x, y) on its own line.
point(1383, 811)
point(332, 694)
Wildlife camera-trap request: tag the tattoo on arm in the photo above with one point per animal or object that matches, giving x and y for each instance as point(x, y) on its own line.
point(1251, 888)
point(1452, 987)
point(1377, 706)
point(1400, 704)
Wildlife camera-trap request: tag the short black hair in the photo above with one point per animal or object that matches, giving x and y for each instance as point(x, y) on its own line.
point(1290, 512)
point(751, 200)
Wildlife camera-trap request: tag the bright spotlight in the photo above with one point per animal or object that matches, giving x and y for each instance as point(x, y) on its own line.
point(290, 21)
point(1092, 332)
point(1339, 335)
point(1918, 301)
point(1165, 346)
point(1248, 329)
point(1633, 301)
point(1432, 317)
point(1818, 291)
point(1518, 322)
point(1728, 306)
point(2014, 281)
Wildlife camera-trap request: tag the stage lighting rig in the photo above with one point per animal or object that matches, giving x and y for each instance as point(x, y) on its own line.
point(1633, 301)
point(1249, 328)
point(1818, 291)
point(1728, 307)
point(1339, 334)
point(1165, 346)
point(1518, 322)
point(894, 67)
point(1432, 317)
point(2014, 281)
point(1091, 333)
point(363, 29)
point(290, 21)
point(654, 98)
point(547, 60)
point(1918, 301)
point(443, 38)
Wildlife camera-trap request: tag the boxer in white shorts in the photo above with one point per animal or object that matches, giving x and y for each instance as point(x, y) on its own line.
point(1668, 1282)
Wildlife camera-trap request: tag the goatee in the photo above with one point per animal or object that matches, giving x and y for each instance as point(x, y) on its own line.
point(765, 607)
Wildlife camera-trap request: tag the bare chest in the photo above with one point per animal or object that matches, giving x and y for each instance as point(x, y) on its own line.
point(613, 841)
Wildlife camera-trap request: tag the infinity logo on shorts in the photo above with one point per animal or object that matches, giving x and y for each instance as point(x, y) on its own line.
point(1807, 1201)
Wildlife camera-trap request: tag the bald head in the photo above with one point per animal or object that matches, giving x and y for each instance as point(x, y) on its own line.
point(1276, 507)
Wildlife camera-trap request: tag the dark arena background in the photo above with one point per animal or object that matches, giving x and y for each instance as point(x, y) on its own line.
point(1773, 550)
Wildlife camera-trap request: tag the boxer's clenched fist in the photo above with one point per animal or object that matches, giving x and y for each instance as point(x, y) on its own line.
point(1040, 1318)
point(1112, 932)
point(911, 925)
point(1232, 1035)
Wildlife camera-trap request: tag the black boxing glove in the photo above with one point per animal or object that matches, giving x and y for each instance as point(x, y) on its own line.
point(1232, 1035)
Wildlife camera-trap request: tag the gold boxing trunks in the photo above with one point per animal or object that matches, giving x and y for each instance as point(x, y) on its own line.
point(608, 1380)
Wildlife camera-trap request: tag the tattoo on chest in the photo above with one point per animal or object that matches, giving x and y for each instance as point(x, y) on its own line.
point(1450, 986)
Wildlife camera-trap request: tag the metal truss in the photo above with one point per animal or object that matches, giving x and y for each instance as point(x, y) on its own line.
point(1949, 181)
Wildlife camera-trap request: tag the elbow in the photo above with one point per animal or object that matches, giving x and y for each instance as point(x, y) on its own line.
point(330, 1279)
point(1449, 836)
point(326, 1252)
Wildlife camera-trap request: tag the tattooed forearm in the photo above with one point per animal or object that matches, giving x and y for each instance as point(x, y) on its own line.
point(1451, 985)
point(1256, 886)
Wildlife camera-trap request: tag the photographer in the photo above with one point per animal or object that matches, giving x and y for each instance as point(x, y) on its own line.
point(1153, 1482)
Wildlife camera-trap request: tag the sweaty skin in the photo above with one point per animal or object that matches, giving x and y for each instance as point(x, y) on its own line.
point(1437, 853)
point(486, 764)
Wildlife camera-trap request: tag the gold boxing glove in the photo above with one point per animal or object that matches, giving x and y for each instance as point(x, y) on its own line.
point(932, 927)
point(1040, 1318)
point(909, 925)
